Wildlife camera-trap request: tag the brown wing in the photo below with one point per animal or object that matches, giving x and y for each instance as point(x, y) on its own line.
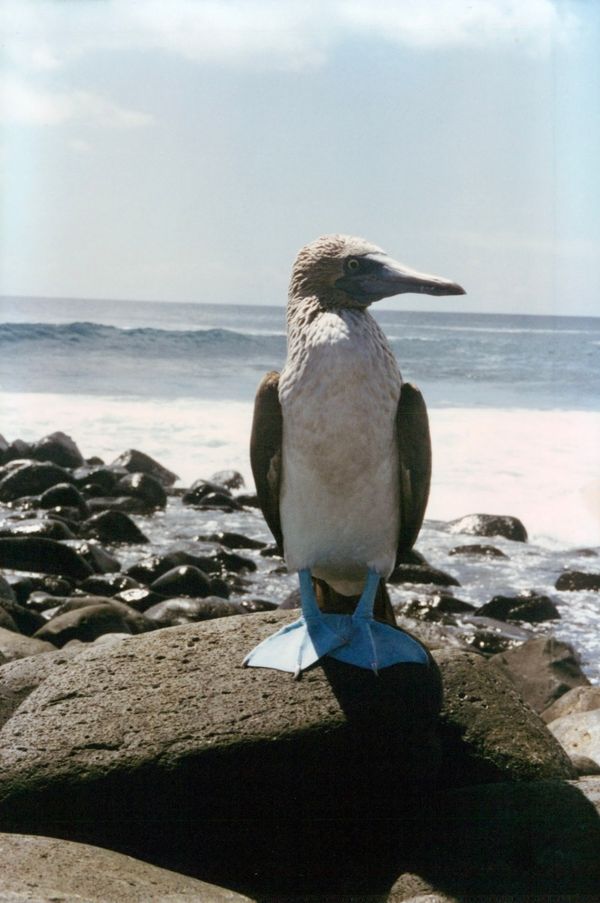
point(414, 447)
point(265, 452)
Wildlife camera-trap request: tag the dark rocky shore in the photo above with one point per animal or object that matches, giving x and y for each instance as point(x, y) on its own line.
point(130, 728)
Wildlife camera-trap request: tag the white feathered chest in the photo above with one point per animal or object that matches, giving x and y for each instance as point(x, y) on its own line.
point(339, 395)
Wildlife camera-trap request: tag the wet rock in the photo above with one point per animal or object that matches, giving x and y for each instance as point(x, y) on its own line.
point(219, 587)
point(136, 461)
point(184, 580)
point(526, 606)
point(176, 611)
point(489, 733)
point(14, 645)
point(144, 487)
point(57, 448)
point(18, 449)
point(42, 602)
point(4, 446)
point(579, 699)
point(63, 494)
point(86, 624)
point(25, 620)
point(52, 585)
point(136, 621)
point(489, 636)
point(149, 569)
point(490, 525)
point(125, 503)
point(99, 560)
point(68, 515)
point(228, 479)
point(232, 540)
point(199, 489)
point(270, 552)
point(114, 527)
point(542, 669)
point(254, 605)
point(434, 607)
point(247, 500)
point(43, 556)
point(230, 561)
point(103, 478)
point(579, 734)
point(31, 479)
point(218, 500)
point(49, 529)
point(574, 581)
point(108, 584)
point(480, 551)
point(162, 733)
point(140, 599)
point(37, 869)
point(421, 573)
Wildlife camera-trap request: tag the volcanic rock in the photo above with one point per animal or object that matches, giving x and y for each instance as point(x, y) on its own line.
point(527, 606)
point(573, 581)
point(114, 527)
point(57, 448)
point(478, 550)
point(228, 479)
point(542, 669)
point(421, 573)
point(31, 479)
point(184, 580)
point(138, 462)
point(490, 525)
point(183, 610)
point(144, 487)
point(232, 540)
point(44, 556)
point(64, 494)
point(88, 622)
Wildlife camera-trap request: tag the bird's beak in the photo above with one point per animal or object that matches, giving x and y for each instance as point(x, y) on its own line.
point(386, 277)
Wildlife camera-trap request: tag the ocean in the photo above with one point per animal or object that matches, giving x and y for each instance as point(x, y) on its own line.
point(514, 405)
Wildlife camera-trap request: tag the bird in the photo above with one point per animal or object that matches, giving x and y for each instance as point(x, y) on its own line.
point(340, 452)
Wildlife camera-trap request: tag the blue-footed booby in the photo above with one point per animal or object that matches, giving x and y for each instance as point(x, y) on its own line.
point(341, 457)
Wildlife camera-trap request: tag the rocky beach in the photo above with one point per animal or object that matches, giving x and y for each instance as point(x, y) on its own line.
point(127, 603)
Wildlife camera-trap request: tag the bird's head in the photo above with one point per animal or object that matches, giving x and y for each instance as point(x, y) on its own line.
point(344, 271)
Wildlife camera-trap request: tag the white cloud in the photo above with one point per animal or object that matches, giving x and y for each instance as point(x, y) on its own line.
point(280, 33)
point(23, 102)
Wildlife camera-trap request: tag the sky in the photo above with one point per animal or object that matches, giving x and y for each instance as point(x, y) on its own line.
point(182, 150)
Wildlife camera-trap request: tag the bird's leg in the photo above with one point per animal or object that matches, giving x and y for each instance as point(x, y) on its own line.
point(364, 606)
point(308, 600)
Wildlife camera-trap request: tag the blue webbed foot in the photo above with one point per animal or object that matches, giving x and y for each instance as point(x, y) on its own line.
point(356, 639)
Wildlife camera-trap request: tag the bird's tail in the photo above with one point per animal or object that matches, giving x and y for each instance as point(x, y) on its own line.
point(333, 602)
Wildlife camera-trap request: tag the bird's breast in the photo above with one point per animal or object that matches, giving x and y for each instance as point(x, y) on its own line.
point(339, 497)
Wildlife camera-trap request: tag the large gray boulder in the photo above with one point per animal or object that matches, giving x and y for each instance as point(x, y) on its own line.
point(579, 734)
point(40, 869)
point(164, 746)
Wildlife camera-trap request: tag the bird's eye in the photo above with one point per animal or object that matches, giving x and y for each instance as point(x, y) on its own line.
point(352, 265)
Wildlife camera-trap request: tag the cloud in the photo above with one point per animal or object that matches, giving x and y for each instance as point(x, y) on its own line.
point(277, 33)
point(25, 103)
